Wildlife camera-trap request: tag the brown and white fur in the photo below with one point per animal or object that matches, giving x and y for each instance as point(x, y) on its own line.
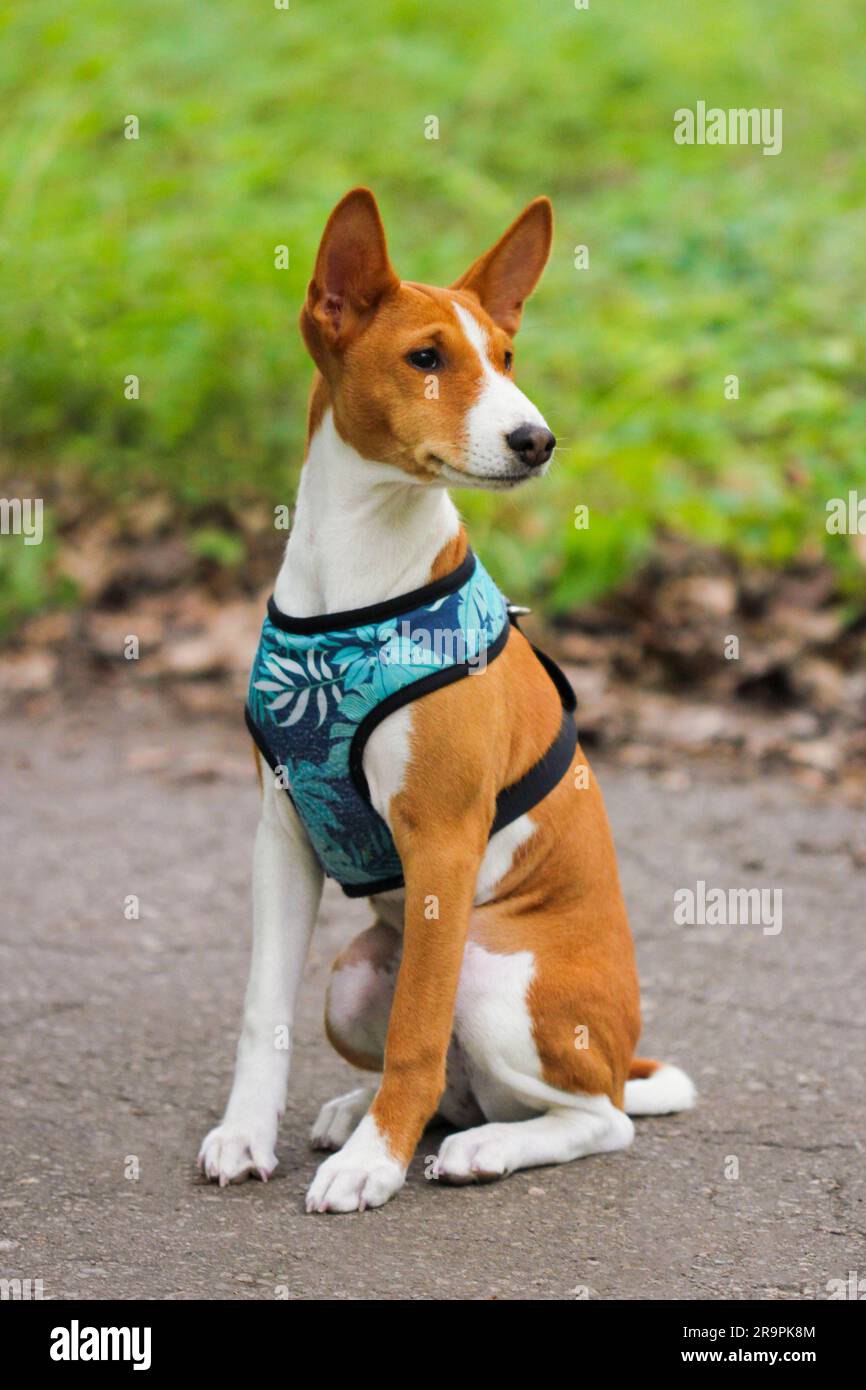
point(479, 1014)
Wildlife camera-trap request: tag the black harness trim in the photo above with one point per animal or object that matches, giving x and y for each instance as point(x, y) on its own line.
point(376, 612)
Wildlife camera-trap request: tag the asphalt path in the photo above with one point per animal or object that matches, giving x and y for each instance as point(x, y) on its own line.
point(119, 1037)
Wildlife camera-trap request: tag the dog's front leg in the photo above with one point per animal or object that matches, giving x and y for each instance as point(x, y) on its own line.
point(287, 887)
point(440, 876)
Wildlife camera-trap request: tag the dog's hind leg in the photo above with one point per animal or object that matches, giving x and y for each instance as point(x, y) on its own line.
point(586, 1125)
point(357, 1007)
point(360, 992)
point(546, 1100)
point(338, 1118)
point(357, 1010)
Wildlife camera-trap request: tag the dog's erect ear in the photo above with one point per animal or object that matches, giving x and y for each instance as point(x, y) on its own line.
point(352, 271)
point(507, 274)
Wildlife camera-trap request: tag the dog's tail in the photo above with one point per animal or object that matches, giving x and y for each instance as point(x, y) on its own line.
point(657, 1088)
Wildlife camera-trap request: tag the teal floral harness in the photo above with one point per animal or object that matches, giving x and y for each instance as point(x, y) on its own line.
point(319, 687)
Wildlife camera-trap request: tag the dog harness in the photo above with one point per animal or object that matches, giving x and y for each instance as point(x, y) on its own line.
point(320, 686)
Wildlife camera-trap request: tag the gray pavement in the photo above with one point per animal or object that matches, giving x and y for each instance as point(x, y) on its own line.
point(119, 1038)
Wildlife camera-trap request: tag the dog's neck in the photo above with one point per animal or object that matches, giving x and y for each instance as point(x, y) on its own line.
point(362, 532)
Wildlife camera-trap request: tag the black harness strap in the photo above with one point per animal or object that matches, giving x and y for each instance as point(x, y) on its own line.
point(534, 785)
point(514, 801)
point(559, 678)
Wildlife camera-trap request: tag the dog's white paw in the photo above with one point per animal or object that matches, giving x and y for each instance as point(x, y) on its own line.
point(235, 1149)
point(476, 1155)
point(338, 1118)
point(363, 1174)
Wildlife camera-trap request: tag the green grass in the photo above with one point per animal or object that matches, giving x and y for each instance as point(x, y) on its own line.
point(155, 256)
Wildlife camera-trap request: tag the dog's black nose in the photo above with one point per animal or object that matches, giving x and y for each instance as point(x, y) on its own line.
point(533, 444)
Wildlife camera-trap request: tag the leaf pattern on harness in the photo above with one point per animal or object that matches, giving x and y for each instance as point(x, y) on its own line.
point(310, 693)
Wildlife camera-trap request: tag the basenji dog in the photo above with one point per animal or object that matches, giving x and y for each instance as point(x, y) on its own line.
point(496, 989)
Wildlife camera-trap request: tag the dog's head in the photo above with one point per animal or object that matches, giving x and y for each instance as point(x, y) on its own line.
point(420, 377)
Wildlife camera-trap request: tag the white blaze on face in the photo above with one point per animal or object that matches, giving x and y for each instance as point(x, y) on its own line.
point(500, 408)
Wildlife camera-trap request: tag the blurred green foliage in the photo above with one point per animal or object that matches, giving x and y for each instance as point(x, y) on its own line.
point(156, 256)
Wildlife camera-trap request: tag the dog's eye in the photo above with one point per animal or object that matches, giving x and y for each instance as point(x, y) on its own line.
point(425, 359)
point(509, 361)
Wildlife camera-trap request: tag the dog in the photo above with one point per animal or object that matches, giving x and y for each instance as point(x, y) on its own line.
point(496, 989)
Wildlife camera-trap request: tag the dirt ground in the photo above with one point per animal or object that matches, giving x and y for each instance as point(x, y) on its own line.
point(119, 1037)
